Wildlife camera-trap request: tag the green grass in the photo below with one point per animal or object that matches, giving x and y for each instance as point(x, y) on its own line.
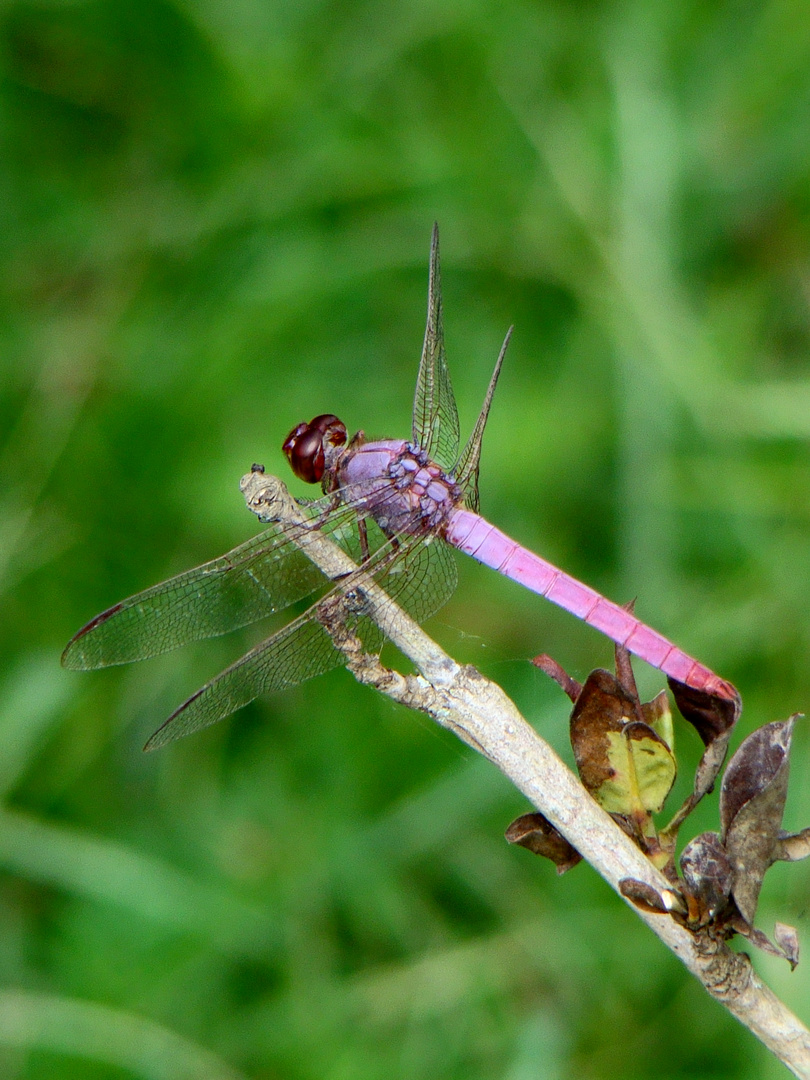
point(215, 222)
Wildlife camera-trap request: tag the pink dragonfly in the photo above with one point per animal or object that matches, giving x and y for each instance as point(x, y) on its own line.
point(385, 504)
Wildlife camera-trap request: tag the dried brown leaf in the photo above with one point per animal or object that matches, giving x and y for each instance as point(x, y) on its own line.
point(602, 708)
point(792, 847)
point(787, 939)
point(648, 898)
point(535, 832)
point(707, 873)
point(560, 676)
point(752, 802)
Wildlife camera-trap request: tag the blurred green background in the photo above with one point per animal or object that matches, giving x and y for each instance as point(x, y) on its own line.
point(215, 222)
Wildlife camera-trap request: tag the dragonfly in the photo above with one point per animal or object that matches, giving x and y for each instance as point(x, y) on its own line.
point(396, 507)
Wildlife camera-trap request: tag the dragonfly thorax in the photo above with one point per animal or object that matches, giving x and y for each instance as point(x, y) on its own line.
point(399, 486)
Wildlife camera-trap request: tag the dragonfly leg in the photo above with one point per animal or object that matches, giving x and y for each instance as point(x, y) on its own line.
point(362, 533)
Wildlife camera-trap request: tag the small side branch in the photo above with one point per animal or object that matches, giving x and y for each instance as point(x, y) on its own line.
point(480, 713)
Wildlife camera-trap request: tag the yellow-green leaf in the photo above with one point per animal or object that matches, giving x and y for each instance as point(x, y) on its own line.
point(658, 715)
point(643, 771)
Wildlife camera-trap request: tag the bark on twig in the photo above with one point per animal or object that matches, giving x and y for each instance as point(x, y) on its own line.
point(479, 712)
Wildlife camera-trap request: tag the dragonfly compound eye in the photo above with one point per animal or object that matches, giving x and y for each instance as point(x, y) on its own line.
point(332, 428)
point(306, 445)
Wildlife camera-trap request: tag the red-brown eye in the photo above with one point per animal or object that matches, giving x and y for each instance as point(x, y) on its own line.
point(334, 430)
point(304, 446)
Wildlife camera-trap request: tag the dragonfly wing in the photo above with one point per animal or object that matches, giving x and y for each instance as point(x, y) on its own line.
point(466, 471)
point(266, 574)
point(420, 576)
point(435, 417)
point(300, 651)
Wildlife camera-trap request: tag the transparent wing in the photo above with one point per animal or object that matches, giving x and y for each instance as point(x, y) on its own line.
point(298, 652)
point(435, 417)
point(266, 574)
point(419, 576)
point(466, 471)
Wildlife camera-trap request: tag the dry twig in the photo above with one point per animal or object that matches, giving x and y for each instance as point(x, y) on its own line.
point(479, 712)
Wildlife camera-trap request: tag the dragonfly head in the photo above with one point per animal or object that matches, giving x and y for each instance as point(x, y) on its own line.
point(309, 446)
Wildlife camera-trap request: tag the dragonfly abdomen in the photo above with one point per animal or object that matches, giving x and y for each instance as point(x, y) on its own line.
point(475, 536)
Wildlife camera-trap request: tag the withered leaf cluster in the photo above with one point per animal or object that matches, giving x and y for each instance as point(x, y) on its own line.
point(624, 750)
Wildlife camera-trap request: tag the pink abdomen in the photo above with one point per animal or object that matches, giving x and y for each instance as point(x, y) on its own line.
point(473, 535)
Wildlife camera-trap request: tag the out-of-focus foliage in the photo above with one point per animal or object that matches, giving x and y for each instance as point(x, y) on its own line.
point(215, 220)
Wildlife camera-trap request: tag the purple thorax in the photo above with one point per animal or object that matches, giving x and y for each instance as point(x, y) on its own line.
point(393, 481)
point(402, 489)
